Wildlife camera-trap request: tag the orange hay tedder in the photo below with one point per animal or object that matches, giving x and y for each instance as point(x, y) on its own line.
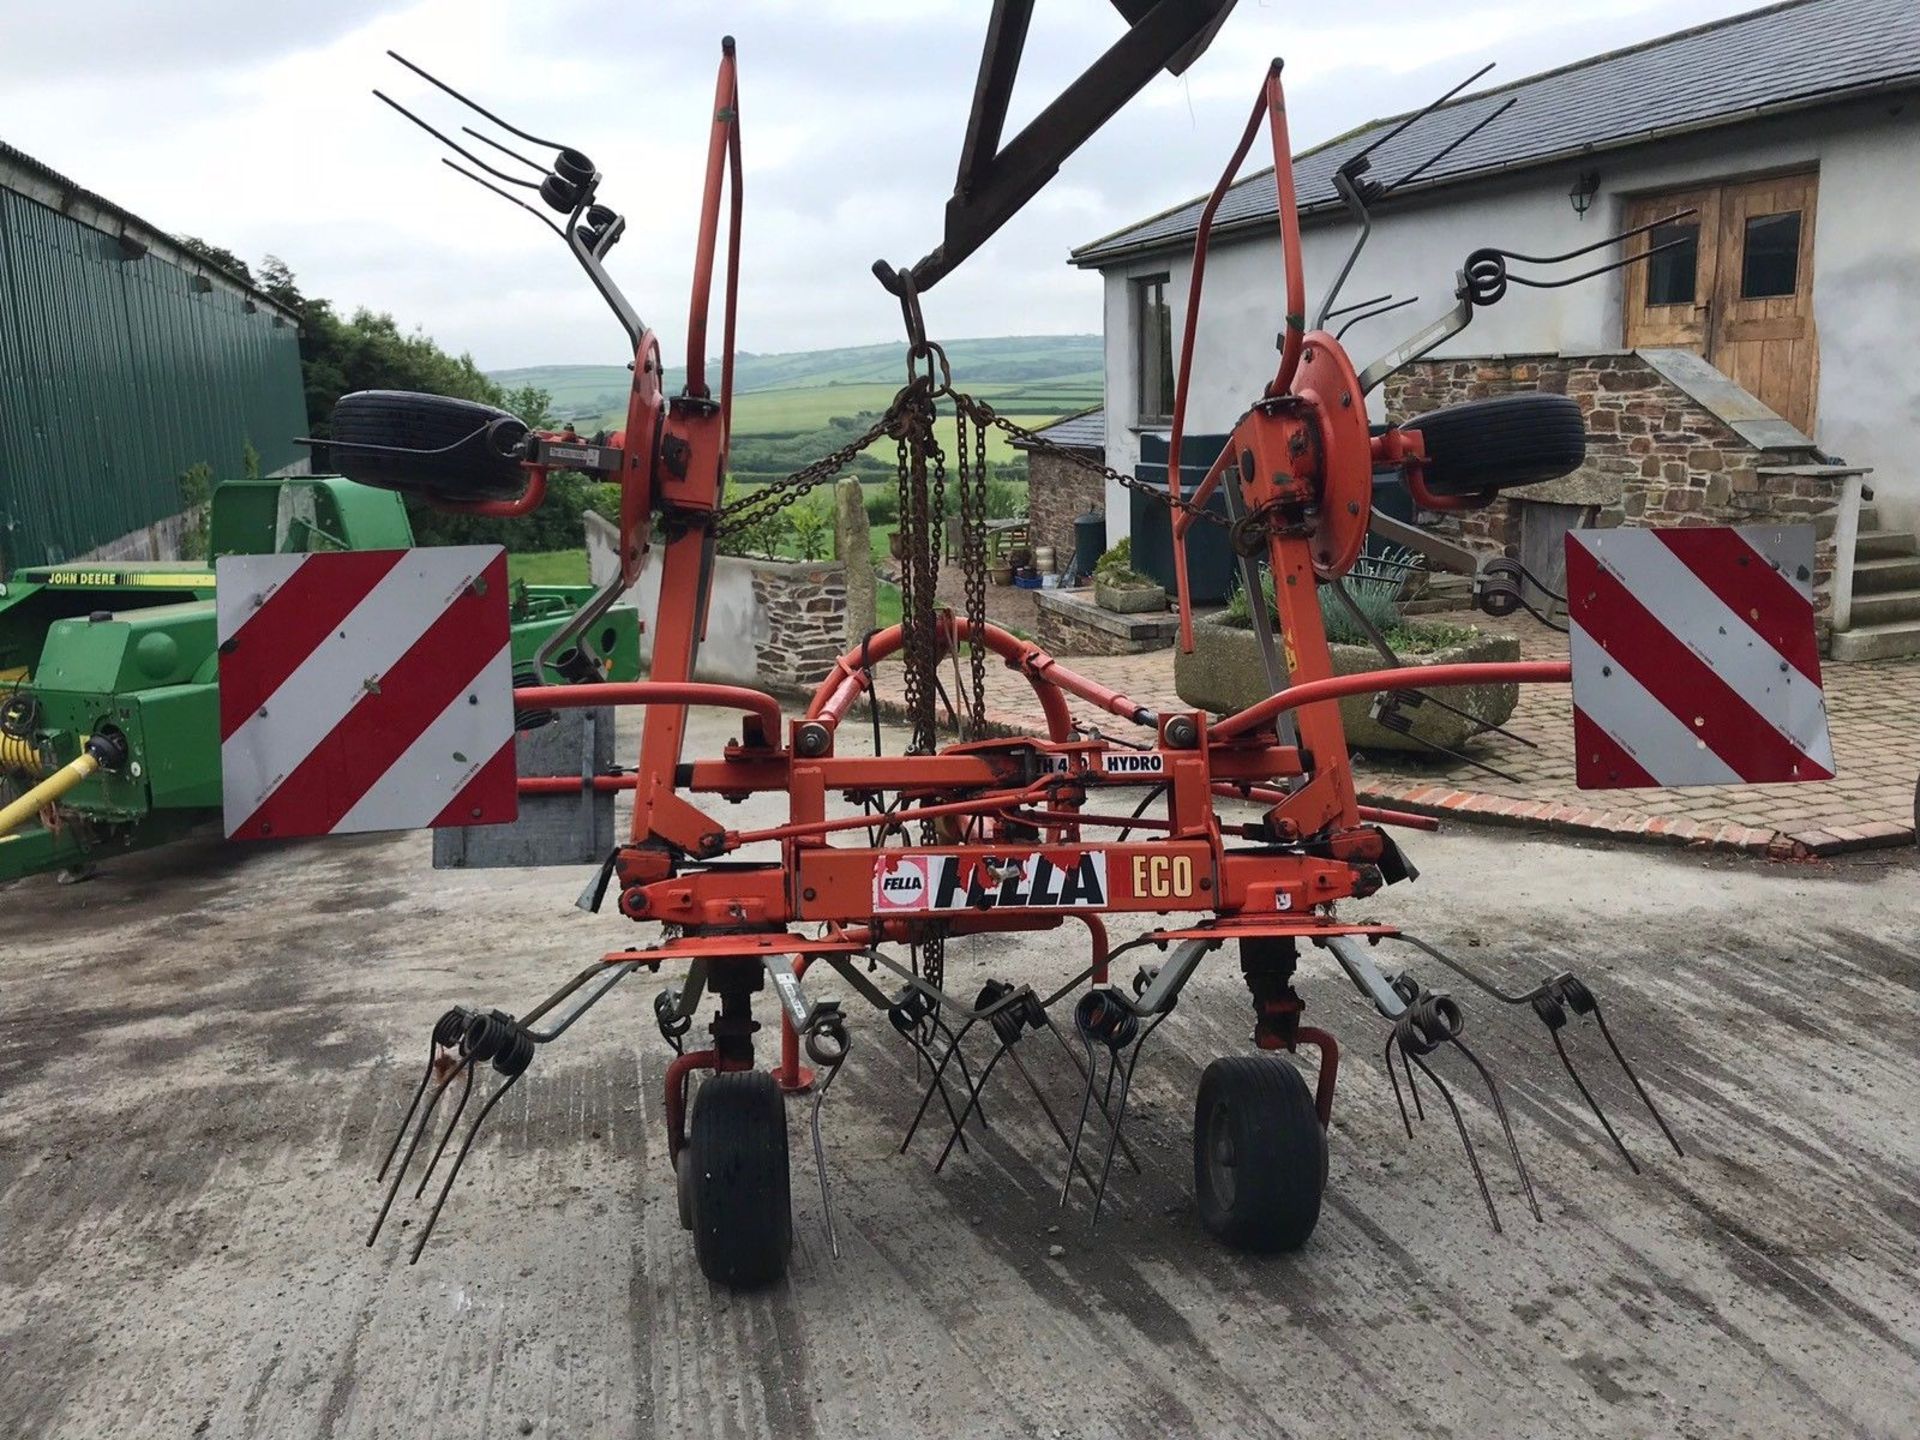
point(884, 859)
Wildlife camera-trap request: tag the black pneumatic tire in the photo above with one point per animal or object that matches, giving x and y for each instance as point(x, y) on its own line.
point(1259, 1154)
point(1499, 443)
point(737, 1159)
point(483, 464)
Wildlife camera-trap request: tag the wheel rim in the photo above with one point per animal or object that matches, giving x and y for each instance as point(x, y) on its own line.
point(1221, 1155)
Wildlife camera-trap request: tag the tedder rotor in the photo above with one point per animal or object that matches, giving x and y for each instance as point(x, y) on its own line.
point(985, 835)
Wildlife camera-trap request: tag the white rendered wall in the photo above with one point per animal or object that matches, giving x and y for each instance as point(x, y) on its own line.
point(1866, 282)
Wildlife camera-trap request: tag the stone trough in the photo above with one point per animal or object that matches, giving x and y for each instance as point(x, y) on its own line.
point(1224, 674)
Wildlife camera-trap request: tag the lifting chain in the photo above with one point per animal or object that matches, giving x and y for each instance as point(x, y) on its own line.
point(984, 414)
point(919, 558)
point(973, 562)
point(758, 506)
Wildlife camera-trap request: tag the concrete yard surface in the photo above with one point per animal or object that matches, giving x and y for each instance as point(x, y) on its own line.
point(204, 1051)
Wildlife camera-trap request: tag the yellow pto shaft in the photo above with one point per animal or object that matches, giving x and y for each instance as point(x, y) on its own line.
point(46, 792)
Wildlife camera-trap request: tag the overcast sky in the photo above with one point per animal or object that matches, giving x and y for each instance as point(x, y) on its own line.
point(251, 125)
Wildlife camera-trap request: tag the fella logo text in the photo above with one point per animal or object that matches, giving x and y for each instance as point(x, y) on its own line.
point(1033, 880)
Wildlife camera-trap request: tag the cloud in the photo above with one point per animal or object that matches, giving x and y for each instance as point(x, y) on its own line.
point(252, 126)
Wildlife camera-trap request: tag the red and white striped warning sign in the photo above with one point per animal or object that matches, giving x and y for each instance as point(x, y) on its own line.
point(1694, 657)
point(365, 690)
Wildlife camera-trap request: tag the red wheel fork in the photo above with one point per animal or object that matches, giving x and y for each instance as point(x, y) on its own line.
point(1329, 1068)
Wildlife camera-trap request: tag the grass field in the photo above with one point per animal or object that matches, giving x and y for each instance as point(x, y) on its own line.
point(1067, 365)
point(551, 567)
point(1033, 379)
point(789, 412)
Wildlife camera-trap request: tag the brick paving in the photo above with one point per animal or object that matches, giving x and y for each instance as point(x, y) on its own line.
point(1873, 708)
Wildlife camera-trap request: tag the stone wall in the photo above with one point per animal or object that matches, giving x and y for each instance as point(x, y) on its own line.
point(1059, 491)
point(800, 621)
point(1655, 454)
point(778, 623)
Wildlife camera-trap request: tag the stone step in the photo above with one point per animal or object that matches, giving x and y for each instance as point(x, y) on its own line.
point(1869, 520)
point(1891, 572)
point(1891, 641)
point(1880, 544)
point(1887, 607)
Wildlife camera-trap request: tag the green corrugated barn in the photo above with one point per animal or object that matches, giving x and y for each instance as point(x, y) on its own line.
point(125, 360)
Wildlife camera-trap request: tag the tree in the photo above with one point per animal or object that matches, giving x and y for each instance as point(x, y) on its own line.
point(215, 255)
point(371, 352)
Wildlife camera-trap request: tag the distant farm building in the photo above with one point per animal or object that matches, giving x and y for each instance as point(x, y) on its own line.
point(125, 361)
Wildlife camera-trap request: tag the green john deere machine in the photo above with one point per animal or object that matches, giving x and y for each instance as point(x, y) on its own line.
point(109, 707)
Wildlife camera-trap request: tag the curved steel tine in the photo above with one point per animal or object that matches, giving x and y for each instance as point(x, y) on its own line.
point(1597, 270)
point(966, 1075)
point(973, 1098)
point(455, 146)
point(1397, 1097)
point(1473, 1157)
point(921, 1055)
point(1086, 1106)
point(927, 1099)
point(1450, 147)
point(1645, 1098)
point(1592, 1104)
point(459, 1160)
point(820, 1156)
point(1046, 1109)
point(1376, 314)
point(1506, 1127)
point(1603, 243)
point(433, 1053)
point(460, 1106)
point(1120, 1117)
point(419, 1133)
point(511, 129)
point(1126, 1150)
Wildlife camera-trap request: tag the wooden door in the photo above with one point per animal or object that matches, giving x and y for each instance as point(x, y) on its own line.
point(1763, 302)
point(1737, 289)
point(1670, 296)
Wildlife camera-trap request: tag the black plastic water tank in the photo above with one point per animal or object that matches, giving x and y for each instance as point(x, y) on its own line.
point(1089, 541)
point(1210, 561)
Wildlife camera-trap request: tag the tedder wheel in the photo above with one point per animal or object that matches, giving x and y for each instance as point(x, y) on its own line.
point(1259, 1154)
point(737, 1178)
point(429, 445)
point(1506, 441)
point(683, 1187)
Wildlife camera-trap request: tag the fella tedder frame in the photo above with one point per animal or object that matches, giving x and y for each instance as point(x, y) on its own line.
point(884, 859)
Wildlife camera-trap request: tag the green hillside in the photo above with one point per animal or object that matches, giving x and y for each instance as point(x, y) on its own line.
point(1028, 375)
point(789, 410)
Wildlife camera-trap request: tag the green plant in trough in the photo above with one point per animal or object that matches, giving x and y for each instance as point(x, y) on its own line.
point(1115, 567)
point(1376, 593)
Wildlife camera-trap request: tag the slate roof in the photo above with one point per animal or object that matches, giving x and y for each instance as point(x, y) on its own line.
point(1785, 57)
point(1085, 431)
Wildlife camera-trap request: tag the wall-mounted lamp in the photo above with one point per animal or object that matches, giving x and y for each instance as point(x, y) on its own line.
point(250, 307)
point(131, 247)
point(202, 285)
point(1580, 194)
